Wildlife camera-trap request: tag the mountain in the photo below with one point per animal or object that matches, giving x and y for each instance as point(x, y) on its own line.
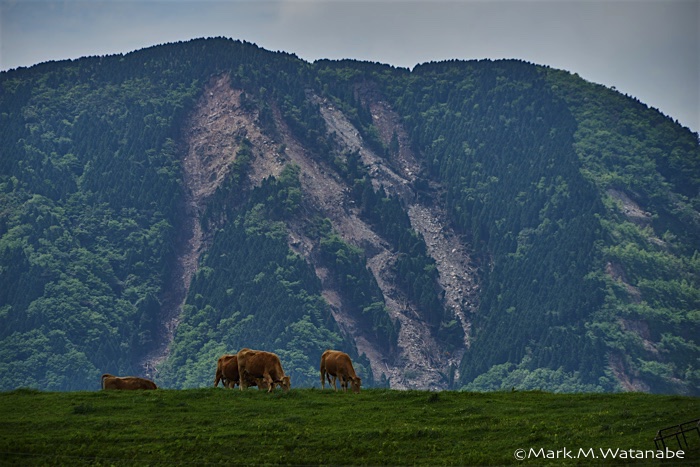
point(476, 225)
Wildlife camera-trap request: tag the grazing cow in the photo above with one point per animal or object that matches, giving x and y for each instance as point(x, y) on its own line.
point(227, 373)
point(126, 382)
point(338, 365)
point(264, 365)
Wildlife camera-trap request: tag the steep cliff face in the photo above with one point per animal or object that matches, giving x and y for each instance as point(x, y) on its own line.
point(209, 147)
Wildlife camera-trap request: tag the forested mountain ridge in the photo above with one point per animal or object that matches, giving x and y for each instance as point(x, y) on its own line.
point(479, 225)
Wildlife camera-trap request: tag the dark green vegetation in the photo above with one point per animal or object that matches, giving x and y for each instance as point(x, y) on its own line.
point(264, 277)
point(580, 205)
point(311, 427)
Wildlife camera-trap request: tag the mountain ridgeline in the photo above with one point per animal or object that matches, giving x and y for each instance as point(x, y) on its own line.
point(478, 225)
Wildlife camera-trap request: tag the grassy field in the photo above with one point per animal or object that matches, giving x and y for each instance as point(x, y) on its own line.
point(312, 427)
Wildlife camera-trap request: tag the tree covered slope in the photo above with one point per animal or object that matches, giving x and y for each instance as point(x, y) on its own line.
point(480, 225)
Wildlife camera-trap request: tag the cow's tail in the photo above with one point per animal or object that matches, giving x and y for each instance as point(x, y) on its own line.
point(323, 370)
point(102, 380)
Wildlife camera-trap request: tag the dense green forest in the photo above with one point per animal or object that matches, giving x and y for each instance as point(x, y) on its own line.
point(580, 205)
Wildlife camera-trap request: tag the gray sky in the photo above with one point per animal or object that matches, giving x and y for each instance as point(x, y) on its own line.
point(649, 49)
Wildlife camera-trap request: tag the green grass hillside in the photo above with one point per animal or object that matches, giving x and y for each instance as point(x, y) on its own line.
point(309, 426)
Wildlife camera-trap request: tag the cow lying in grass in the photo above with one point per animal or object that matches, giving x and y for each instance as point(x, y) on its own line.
point(126, 382)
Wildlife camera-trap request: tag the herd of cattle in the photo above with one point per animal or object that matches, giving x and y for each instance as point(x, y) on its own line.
point(257, 368)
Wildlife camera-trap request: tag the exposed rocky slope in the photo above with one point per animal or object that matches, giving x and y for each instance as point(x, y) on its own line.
point(209, 147)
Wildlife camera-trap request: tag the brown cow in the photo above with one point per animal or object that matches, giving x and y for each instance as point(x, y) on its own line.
point(227, 373)
point(338, 365)
point(126, 382)
point(264, 365)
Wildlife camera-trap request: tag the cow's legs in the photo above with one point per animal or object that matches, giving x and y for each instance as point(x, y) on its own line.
point(268, 379)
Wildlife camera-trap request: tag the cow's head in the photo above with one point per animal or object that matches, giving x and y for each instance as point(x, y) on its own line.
point(286, 383)
point(356, 382)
